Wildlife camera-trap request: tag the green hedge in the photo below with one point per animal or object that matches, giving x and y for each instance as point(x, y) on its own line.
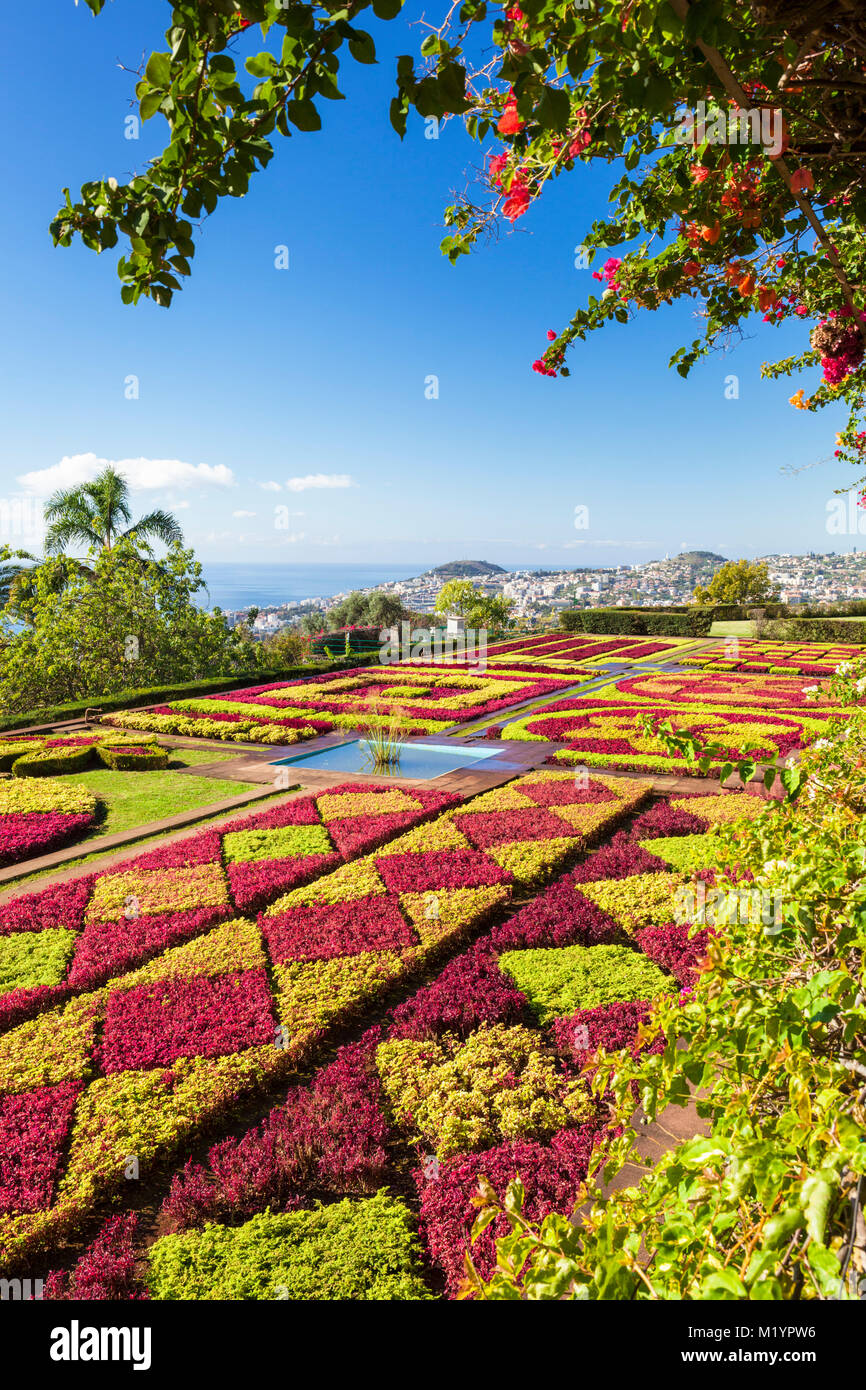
point(121, 760)
point(10, 752)
point(820, 630)
point(52, 762)
point(131, 699)
point(638, 622)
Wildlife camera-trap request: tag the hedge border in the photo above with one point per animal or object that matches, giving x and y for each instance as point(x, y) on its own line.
point(133, 699)
point(638, 622)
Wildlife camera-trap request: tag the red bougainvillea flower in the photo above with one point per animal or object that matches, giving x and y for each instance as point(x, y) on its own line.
point(542, 368)
point(551, 336)
point(509, 122)
point(579, 143)
point(692, 268)
point(700, 172)
point(517, 199)
point(515, 14)
point(497, 164)
point(802, 181)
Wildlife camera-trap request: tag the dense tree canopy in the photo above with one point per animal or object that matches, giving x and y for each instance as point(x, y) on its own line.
point(479, 610)
point(736, 132)
point(127, 625)
point(739, 581)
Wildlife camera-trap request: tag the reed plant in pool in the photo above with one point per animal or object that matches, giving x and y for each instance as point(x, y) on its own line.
point(383, 738)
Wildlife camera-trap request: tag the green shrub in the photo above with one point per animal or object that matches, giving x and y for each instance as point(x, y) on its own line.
point(638, 622)
point(129, 699)
point(364, 1250)
point(29, 959)
point(9, 752)
point(685, 852)
point(500, 1084)
point(120, 759)
point(557, 981)
point(52, 762)
point(819, 630)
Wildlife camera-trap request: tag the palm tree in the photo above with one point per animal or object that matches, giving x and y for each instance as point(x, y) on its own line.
point(94, 514)
point(10, 572)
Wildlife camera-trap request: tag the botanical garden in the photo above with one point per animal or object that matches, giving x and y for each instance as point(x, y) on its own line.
point(573, 1011)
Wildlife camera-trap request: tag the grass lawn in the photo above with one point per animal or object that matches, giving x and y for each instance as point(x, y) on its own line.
point(743, 627)
point(135, 798)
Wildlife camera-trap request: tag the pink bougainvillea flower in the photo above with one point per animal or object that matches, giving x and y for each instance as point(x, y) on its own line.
point(579, 143)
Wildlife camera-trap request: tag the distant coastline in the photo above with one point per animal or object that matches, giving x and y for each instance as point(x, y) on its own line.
point(233, 586)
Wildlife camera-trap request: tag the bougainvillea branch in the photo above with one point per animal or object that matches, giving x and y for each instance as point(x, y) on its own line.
point(738, 131)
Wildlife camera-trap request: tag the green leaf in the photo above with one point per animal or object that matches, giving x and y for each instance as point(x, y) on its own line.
point(158, 70)
point(554, 109)
point(150, 104)
point(362, 47)
point(387, 9)
point(398, 113)
point(262, 65)
point(817, 1195)
point(304, 115)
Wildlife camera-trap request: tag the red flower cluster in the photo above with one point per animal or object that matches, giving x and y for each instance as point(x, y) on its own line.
point(39, 832)
point(330, 1137)
point(201, 1016)
point(550, 1175)
point(324, 931)
point(470, 991)
point(106, 1271)
point(432, 869)
point(33, 1128)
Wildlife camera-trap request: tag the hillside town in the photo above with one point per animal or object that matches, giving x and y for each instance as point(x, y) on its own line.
point(538, 594)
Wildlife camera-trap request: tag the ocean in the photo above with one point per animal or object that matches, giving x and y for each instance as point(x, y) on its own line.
point(232, 586)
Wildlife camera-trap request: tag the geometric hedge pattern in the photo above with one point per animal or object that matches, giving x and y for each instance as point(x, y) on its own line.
point(168, 1016)
point(609, 733)
point(79, 934)
point(479, 1072)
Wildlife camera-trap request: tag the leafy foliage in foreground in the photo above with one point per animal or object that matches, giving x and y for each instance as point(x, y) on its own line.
point(766, 1206)
point(756, 206)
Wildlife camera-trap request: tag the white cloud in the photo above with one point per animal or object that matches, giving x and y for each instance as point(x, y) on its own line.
point(242, 513)
point(142, 474)
point(319, 480)
point(270, 487)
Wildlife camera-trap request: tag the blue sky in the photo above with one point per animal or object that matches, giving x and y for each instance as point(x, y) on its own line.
point(260, 376)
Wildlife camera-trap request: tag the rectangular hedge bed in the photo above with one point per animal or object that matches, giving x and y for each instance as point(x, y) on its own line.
point(777, 658)
point(427, 699)
point(484, 1071)
point(141, 1006)
point(560, 652)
